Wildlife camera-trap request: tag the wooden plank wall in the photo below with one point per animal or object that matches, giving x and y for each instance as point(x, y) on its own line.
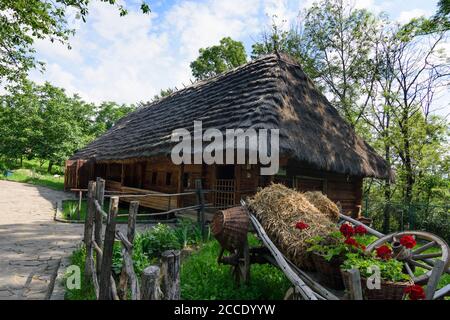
point(347, 190)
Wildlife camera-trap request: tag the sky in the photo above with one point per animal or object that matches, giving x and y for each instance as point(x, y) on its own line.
point(129, 59)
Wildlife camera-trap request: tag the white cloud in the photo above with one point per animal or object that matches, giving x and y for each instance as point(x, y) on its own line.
point(406, 16)
point(129, 59)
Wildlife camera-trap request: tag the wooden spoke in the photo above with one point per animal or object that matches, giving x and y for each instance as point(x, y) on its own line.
point(409, 270)
point(425, 247)
point(421, 265)
point(427, 256)
point(418, 257)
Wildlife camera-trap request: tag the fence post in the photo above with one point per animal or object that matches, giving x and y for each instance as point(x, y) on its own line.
point(110, 234)
point(355, 285)
point(80, 194)
point(170, 264)
point(150, 288)
point(88, 226)
point(132, 215)
point(201, 209)
point(100, 196)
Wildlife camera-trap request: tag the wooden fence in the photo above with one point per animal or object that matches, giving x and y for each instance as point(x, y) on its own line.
point(157, 282)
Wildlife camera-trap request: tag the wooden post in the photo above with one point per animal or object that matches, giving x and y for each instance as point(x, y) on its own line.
point(150, 283)
point(88, 226)
point(80, 194)
point(201, 209)
point(355, 285)
point(98, 231)
point(132, 216)
point(432, 284)
point(170, 264)
point(110, 234)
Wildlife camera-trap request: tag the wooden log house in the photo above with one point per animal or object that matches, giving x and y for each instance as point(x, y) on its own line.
point(318, 149)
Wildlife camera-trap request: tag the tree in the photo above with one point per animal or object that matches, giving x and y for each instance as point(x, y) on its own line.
point(218, 59)
point(24, 21)
point(18, 114)
point(334, 45)
point(163, 93)
point(279, 40)
point(108, 113)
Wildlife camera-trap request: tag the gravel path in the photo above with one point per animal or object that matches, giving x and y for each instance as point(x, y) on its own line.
point(31, 243)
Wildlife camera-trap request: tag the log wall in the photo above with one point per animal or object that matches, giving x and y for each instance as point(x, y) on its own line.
point(161, 175)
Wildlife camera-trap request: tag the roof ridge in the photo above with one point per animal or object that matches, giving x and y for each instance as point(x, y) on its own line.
point(213, 78)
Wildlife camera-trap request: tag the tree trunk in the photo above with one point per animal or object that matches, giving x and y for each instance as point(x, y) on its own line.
point(409, 173)
point(387, 194)
point(50, 166)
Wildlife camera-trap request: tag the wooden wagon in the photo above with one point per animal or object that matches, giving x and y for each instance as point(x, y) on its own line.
point(230, 227)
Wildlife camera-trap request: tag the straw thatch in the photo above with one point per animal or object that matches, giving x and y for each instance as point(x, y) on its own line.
point(270, 92)
point(279, 208)
point(323, 204)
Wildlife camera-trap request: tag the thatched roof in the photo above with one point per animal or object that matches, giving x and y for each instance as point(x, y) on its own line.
point(270, 92)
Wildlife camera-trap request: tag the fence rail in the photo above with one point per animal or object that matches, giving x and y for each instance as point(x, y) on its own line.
point(398, 216)
point(158, 282)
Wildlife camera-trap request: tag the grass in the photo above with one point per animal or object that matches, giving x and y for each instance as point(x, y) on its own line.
point(31, 172)
point(203, 278)
point(86, 291)
point(70, 210)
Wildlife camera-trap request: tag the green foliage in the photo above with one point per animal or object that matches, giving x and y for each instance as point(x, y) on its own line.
point(149, 245)
point(333, 246)
point(86, 291)
point(108, 113)
point(188, 233)
point(159, 239)
point(218, 59)
point(203, 278)
point(24, 21)
point(35, 178)
point(391, 270)
point(163, 93)
point(42, 122)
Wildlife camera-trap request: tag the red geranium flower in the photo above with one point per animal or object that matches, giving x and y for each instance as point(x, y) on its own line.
point(351, 242)
point(363, 247)
point(360, 230)
point(408, 242)
point(347, 230)
point(301, 225)
point(415, 292)
point(384, 252)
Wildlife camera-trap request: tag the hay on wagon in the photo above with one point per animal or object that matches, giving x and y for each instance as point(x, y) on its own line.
point(323, 204)
point(279, 208)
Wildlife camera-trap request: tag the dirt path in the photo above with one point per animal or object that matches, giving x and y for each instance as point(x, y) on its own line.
point(31, 243)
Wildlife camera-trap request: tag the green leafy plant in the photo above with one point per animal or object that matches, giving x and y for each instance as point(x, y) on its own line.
point(188, 233)
point(390, 270)
point(159, 239)
point(332, 246)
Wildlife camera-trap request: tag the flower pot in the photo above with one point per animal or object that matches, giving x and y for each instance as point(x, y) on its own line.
point(329, 272)
point(388, 290)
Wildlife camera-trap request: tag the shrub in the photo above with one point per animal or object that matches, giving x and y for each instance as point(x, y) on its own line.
point(159, 239)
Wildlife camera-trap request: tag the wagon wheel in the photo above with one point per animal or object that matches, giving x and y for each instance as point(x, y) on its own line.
point(416, 257)
point(241, 270)
point(291, 294)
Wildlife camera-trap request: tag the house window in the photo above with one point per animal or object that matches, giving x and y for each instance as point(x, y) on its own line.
point(168, 178)
point(154, 176)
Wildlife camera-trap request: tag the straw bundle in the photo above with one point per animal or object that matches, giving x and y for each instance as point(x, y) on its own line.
point(325, 205)
point(279, 208)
